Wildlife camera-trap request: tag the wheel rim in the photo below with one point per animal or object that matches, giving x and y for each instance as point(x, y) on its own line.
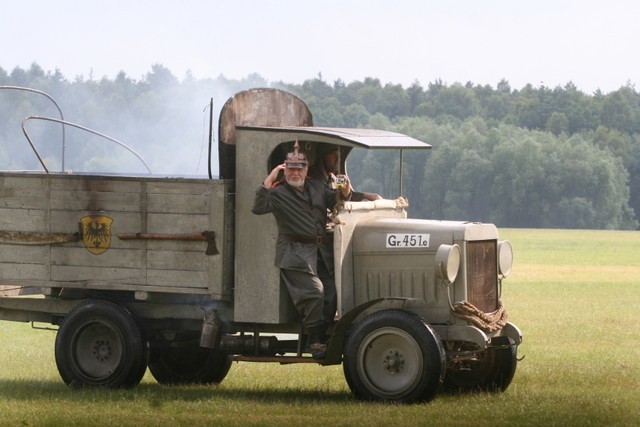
point(390, 362)
point(97, 350)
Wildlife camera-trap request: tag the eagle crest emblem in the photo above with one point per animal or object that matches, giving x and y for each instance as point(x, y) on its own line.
point(96, 233)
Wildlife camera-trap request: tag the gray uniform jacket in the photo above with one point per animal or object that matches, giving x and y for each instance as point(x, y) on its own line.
point(299, 213)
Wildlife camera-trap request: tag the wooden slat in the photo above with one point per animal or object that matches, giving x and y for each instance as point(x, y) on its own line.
point(188, 279)
point(178, 260)
point(182, 187)
point(178, 203)
point(176, 223)
point(23, 219)
point(80, 256)
point(23, 182)
point(21, 254)
point(83, 200)
point(114, 285)
point(195, 247)
point(97, 184)
point(11, 271)
point(26, 193)
point(74, 273)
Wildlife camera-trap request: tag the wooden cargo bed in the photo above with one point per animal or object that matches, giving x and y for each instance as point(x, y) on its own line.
point(71, 231)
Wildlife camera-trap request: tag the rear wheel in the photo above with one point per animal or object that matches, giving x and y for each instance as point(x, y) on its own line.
point(189, 365)
point(393, 355)
point(492, 371)
point(99, 344)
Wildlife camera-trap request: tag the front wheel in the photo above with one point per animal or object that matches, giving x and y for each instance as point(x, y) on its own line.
point(393, 355)
point(99, 344)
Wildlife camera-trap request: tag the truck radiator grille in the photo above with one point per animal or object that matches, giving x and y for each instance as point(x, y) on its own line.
point(482, 275)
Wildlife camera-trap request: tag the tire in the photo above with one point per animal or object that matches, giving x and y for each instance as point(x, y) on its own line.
point(189, 365)
point(394, 356)
point(493, 371)
point(99, 344)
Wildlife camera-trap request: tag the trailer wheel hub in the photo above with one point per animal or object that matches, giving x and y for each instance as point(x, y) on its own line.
point(102, 350)
point(393, 362)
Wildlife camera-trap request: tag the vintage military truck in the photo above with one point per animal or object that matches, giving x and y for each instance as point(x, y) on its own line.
point(177, 274)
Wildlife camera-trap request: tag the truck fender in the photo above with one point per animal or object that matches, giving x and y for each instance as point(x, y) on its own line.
point(342, 326)
point(462, 333)
point(512, 331)
point(475, 335)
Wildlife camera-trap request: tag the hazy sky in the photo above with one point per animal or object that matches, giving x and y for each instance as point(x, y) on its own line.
point(592, 43)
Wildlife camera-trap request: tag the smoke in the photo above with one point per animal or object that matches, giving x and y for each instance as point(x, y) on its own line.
point(164, 121)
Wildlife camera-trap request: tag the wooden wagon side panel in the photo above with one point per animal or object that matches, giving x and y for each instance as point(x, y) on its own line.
point(92, 216)
point(24, 210)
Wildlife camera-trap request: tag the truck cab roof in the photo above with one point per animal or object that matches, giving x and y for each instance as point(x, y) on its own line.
point(351, 137)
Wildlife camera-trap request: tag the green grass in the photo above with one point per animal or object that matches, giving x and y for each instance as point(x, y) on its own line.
point(574, 294)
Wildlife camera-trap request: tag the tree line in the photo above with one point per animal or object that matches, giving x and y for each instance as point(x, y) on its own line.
point(529, 157)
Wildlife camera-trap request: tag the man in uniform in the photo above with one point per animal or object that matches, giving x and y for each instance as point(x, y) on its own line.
point(303, 255)
point(327, 168)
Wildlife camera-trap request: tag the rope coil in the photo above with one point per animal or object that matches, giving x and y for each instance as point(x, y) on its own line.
point(488, 322)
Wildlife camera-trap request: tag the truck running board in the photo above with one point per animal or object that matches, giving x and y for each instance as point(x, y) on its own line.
point(283, 360)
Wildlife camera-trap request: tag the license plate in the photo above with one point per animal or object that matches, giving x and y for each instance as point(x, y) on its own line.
point(400, 240)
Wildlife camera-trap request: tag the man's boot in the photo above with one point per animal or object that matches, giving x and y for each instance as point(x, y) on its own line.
point(316, 345)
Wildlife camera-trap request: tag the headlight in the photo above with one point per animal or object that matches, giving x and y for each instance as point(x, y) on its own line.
point(447, 262)
point(505, 257)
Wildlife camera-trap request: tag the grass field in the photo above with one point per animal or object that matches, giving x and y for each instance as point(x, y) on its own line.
point(574, 294)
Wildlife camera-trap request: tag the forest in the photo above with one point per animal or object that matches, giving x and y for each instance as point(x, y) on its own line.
point(530, 157)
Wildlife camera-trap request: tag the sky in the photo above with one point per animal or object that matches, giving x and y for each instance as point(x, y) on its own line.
point(592, 44)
